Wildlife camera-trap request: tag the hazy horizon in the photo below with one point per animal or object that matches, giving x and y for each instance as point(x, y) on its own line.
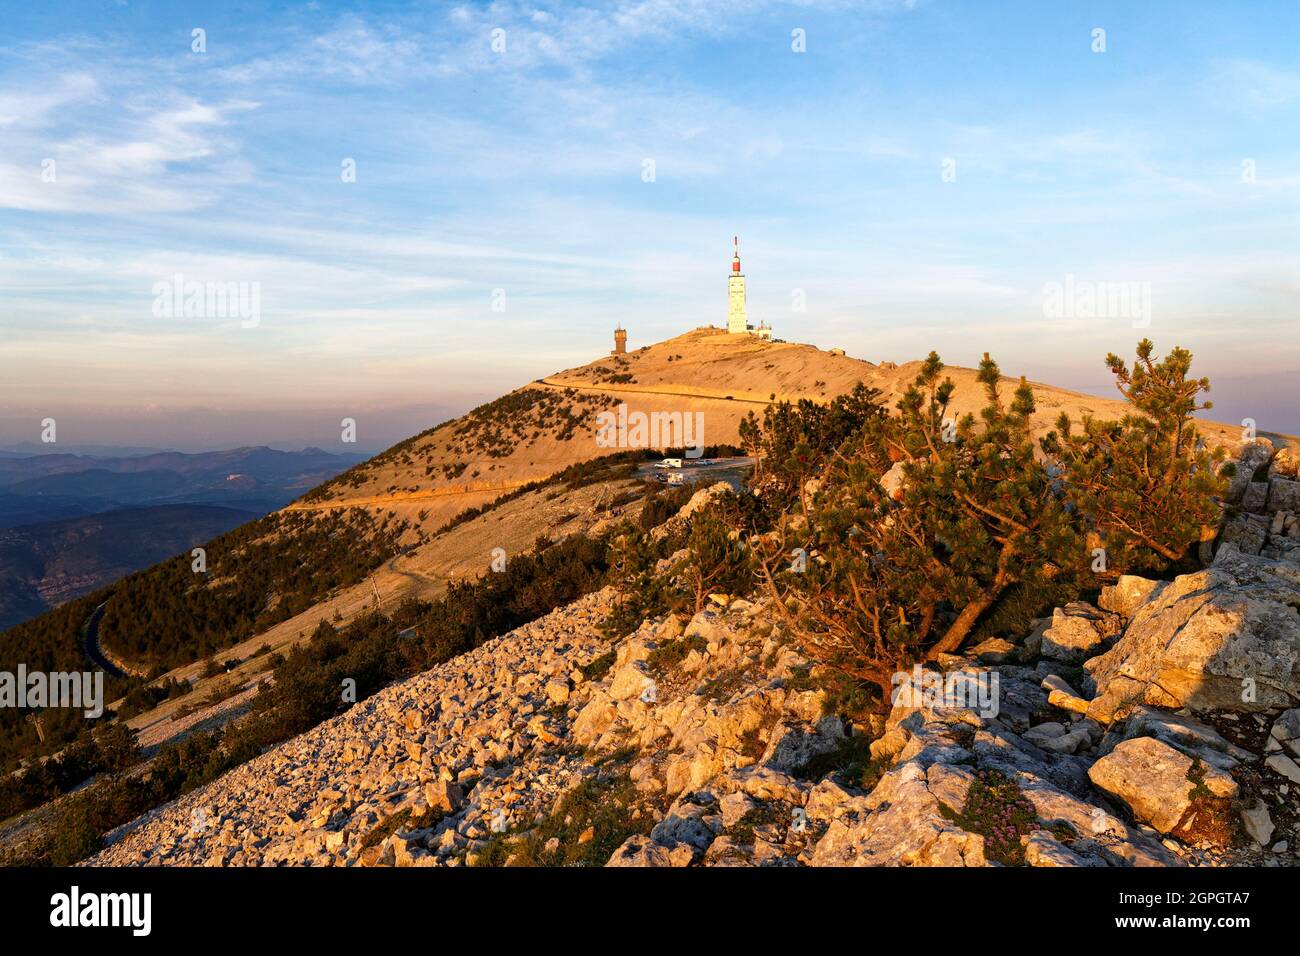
point(1265, 399)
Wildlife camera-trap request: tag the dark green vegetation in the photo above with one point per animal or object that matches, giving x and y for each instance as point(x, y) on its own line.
point(794, 442)
point(126, 791)
point(714, 558)
point(883, 539)
point(662, 503)
point(910, 571)
point(264, 573)
point(257, 576)
point(922, 531)
point(615, 373)
point(599, 667)
point(145, 697)
point(497, 428)
point(1145, 483)
point(51, 642)
point(669, 654)
point(401, 820)
point(851, 759)
point(110, 748)
point(640, 590)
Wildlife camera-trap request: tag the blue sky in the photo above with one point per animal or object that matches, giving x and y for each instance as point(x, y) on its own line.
point(522, 170)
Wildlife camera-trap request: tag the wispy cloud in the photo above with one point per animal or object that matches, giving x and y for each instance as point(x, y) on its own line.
point(152, 157)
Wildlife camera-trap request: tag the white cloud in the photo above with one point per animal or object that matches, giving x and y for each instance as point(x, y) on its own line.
point(147, 157)
point(35, 105)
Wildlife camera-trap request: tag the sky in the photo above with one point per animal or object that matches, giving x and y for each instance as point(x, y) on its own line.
point(427, 204)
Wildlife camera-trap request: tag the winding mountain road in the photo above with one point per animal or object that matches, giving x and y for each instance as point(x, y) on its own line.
point(91, 647)
point(90, 643)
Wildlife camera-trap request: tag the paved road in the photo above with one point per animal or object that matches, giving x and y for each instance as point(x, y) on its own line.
point(90, 643)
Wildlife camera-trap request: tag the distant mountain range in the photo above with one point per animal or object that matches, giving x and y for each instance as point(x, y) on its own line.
point(50, 487)
point(71, 523)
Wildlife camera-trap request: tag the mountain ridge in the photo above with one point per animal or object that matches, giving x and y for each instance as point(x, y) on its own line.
point(704, 370)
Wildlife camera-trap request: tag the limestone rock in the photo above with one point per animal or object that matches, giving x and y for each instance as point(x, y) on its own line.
point(1129, 593)
point(1157, 782)
point(1191, 736)
point(1283, 494)
point(907, 819)
point(1247, 533)
point(1078, 631)
point(792, 748)
point(830, 799)
point(892, 480)
point(1250, 458)
point(1286, 464)
point(1281, 763)
point(905, 829)
point(1061, 694)
point(493, 740)
point(557, 691)
point(1205, 640)
point(630, 681)
point(1056, 738)
point(594, 718)
point(734, 806)
point(641, 851)
point(1042, 849)
point(950, 784)
point(444, 795)
point(1032, 645)
point(690, 827)
point(1286, 731)
point(995, 650)
point(1257, 822)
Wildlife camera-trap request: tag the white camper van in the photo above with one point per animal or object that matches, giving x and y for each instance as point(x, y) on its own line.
point(669, 463)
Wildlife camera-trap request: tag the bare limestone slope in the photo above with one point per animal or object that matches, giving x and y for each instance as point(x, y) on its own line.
point(421, 573)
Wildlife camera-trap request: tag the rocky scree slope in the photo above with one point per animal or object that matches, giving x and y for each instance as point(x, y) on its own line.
point(710, 746)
